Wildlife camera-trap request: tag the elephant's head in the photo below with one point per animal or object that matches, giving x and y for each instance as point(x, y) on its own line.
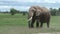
point(34, 11)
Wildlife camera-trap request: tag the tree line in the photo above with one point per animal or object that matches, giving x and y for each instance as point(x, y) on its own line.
point(54, 12)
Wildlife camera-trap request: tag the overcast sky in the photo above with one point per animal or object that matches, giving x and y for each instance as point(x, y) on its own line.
point(24, 5)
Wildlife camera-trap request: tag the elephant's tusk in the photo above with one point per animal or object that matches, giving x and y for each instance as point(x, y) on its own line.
point(30, 19)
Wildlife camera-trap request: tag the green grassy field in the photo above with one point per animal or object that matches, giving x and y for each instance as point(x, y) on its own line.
point(18, 24)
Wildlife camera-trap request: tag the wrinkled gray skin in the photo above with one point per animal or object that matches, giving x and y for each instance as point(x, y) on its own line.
point(38, 14)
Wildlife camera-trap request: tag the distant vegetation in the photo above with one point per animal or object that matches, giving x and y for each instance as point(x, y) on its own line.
point(13, 11)
point(54, 12)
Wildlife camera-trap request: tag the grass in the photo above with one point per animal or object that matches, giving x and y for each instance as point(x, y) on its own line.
point(7, 19)
point(18, 24)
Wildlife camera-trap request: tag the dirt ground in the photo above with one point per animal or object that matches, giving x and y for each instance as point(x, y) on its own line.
point(12, 29)
point(50, 33)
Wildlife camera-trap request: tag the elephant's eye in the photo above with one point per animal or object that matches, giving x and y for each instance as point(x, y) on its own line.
point(32, 10)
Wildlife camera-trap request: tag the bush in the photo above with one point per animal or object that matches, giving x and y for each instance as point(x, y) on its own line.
point(12, 11)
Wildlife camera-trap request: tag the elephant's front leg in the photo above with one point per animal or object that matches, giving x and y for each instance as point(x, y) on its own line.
point(29, 24)
point(41, 24)
point(32, 23)
point(37, 23)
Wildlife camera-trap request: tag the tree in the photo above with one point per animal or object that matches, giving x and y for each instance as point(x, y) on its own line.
point(59, 9)
point(53, 11)
point(24, 13)
point(13, 11)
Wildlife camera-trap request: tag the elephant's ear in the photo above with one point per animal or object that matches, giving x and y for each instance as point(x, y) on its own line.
point(38, 12)
point(35, 9)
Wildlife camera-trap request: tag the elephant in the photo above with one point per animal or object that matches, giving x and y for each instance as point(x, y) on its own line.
point(40, 15)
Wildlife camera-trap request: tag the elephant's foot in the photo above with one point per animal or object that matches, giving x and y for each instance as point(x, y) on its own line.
point(40, 26)
point(47, 26)
point(37, 26)
point(32, 26)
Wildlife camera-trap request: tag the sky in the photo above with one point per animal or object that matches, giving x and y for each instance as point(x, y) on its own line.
point(24, 5)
